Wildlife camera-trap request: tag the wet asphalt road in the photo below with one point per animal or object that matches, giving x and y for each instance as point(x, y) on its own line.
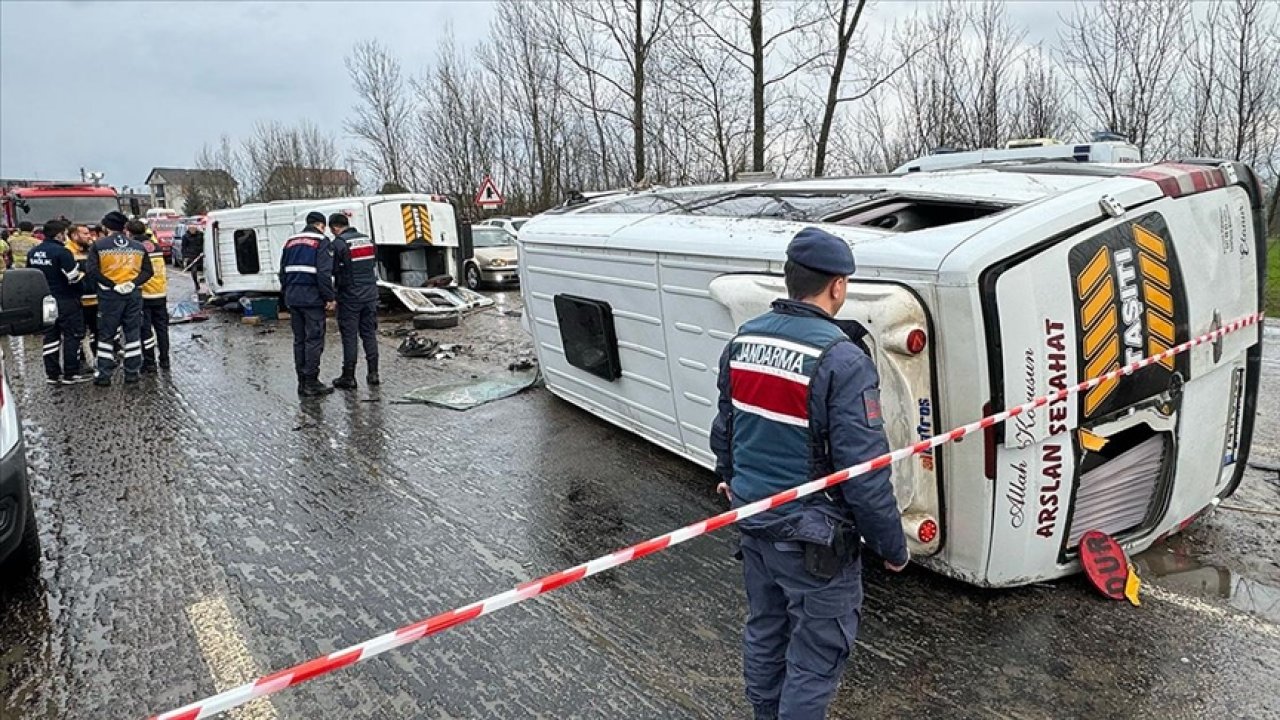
point(210, 527)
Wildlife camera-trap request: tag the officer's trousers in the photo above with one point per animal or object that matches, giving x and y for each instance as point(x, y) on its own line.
point(63, 339)
point(155, 332)
point(308, 339)
point(358, 321)
point(799, 630)
point(118, 313)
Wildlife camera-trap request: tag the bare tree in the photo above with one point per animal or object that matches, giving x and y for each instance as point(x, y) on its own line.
point(219, 185)
point(614, 44)
point(846, 24)
point(1123, 55)
point(381, 121)
point(714, 94)
point(760, 43)
point(294, 162)
point(1041, 109)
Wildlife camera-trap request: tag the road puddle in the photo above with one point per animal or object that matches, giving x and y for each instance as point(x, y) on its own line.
point(1179, 569)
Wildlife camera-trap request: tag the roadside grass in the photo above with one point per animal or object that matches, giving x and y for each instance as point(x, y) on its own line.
point(1272, 304)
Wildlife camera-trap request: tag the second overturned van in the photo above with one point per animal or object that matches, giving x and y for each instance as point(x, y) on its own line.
point(419, 243)
point(981, 288)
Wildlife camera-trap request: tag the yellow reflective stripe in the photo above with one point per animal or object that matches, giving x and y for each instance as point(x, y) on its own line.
point(1159, 299)
point(1154, 271)
point(1160, 327)
point(1095, 337)
point(1093, 272)
point(1098, 303)
point(1149, 241)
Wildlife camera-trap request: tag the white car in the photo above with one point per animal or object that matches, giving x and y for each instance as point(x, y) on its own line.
point(510, 224)
point(25, 307)
point(981, 289)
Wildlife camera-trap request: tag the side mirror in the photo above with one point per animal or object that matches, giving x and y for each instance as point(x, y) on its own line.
point(25, 304)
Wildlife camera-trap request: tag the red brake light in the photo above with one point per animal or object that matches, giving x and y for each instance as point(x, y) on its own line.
point(916, 340)
point(927, 532)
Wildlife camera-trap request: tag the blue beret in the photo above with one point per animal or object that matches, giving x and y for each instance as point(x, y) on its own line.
point(821, 251)
point(314, 217)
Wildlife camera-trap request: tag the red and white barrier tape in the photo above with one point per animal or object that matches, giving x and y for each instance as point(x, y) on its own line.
point(358, 653)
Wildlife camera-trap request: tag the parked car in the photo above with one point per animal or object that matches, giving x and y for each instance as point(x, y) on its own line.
point(494, 259)
point(510, 224)
point(25, 307)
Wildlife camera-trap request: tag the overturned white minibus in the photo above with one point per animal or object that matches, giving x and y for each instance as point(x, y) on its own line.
point(981, 289)
point(419, 247)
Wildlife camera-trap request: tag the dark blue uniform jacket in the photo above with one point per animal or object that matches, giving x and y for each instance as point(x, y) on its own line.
point(799, 399)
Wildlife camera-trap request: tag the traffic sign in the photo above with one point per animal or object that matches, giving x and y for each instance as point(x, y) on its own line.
point(488, 195)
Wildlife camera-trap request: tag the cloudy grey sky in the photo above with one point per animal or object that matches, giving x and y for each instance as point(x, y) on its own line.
point(122, 87)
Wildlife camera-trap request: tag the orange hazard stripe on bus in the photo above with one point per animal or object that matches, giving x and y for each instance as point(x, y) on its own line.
point(1099, 334)
point(1099, 394)
point(1159, 299)
point(1161, 327)
point(1149, 241)
point(1095, 271)
point(1155, 347)
point(1154, 271)
point(1105, 360)
point(1095, 306)
point(407, 218)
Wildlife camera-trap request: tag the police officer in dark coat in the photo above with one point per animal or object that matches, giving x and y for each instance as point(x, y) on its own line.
point(800, 399)
point(118, 267)
point(356, 277)
point(63, 274)
point(306, 277)
point(193, 252)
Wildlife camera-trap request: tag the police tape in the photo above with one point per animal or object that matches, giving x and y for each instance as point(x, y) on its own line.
point(298, 674)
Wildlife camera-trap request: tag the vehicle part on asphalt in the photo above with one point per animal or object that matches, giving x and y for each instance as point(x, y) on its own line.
point(436, 322)
point(437, 300)
point(325, 664)
point(473, 393)
point(415, 346)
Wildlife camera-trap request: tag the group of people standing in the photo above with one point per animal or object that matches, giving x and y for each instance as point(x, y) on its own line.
point(110, 284)
point(319, 275)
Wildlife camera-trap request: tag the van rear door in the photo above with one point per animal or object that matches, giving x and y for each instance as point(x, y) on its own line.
point(1137, 454)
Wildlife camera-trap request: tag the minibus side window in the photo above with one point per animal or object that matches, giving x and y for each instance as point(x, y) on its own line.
point(246, 245)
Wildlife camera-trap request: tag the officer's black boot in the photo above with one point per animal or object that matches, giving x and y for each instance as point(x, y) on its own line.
point(372, 376)
point(348, 379)
point(312, 387)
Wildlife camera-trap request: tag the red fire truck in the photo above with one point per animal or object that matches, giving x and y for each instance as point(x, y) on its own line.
point(38, 203)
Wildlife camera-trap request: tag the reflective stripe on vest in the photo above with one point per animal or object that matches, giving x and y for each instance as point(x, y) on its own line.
point(299, 258)
point(158, 285)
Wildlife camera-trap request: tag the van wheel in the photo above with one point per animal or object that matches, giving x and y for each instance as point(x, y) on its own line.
point(26, 557)
point(473, 277)
point(435, 322)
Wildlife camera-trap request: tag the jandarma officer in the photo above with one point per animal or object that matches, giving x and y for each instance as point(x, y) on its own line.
point(799, 399)
point(306, 275)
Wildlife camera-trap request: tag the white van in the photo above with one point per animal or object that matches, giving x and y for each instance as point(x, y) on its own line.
point(1043, 149)
point(26, 308)
point(417, 239)
point(981, 289)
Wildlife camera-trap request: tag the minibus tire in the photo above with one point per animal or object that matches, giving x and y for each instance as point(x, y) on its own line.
point(435, 322)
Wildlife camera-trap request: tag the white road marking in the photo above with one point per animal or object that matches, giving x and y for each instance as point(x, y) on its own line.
point(1232, 617)
point(230, 663)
